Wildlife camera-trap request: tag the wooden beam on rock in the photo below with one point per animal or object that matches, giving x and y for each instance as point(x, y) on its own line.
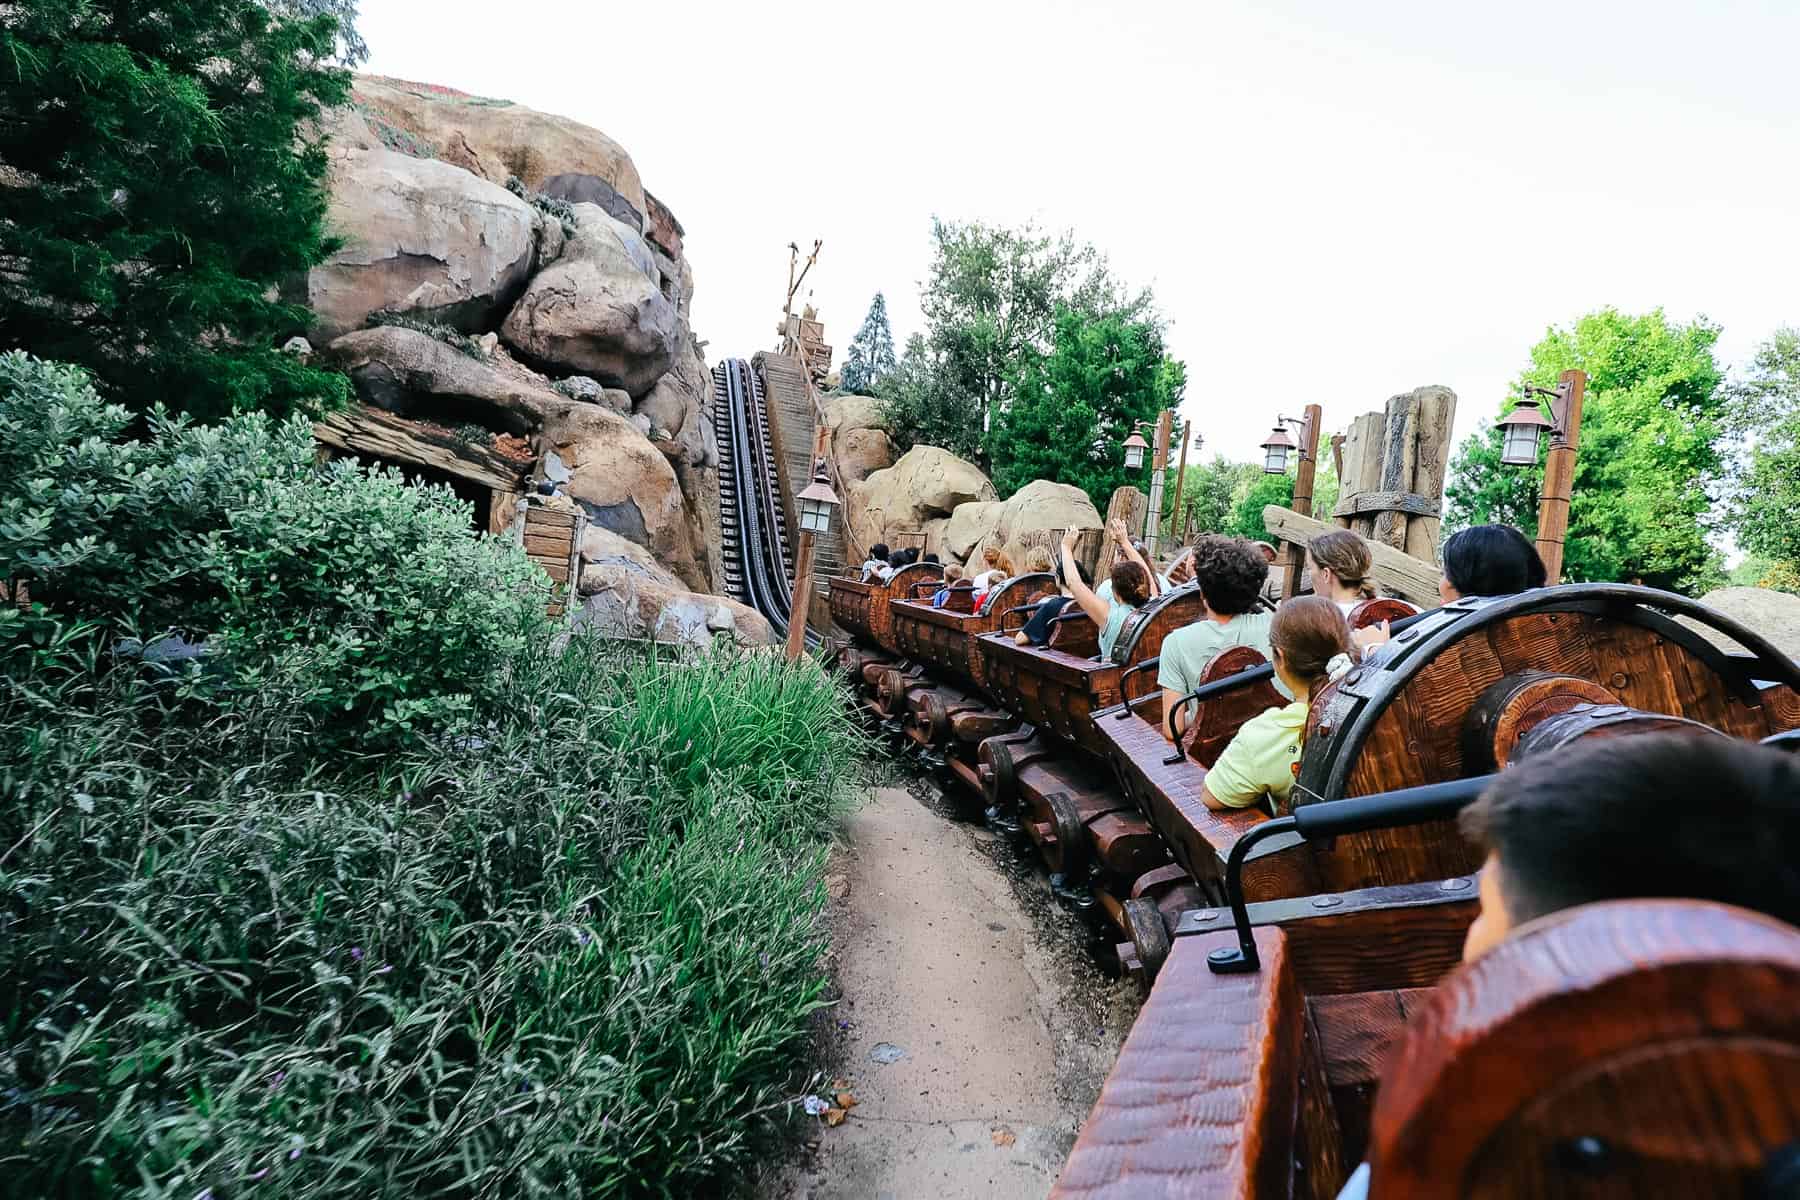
point(378, 433)
point(1397, 573)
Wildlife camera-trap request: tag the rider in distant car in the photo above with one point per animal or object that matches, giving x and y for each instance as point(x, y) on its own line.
point(1231, 574)
point(1131, 590)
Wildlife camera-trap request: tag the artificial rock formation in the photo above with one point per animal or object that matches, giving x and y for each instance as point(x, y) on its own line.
point(420, 237)
point(1032, 516)
point(625, 593)
point(915, 495)
point(612, 401)
point(1775, 615)
point(860, 445)
point(599, 309)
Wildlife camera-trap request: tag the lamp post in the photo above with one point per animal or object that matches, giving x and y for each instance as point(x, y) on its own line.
point(1275, 454)
point(817, 502)
point(1135, 445)
point(1521, 430)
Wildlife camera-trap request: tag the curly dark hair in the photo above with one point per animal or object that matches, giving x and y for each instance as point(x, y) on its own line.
point(1231, 572)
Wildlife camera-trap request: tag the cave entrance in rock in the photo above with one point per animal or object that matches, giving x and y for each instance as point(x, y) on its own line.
point(484, 498)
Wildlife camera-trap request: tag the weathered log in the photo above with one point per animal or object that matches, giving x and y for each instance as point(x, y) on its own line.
point(1397, 458)
point(1437, 413)
point(1362, 466)
point(373, 431)
point(1399, 574)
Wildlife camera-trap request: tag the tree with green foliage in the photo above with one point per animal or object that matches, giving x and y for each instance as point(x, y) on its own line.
point(1072, 409)
point(921, 406)
point(1247, 514)
point(1209, 492)
point(1650, 429)
point(165, 179)
point(990, 303)
point(871, 354)
point(352, 50)
point(1763, 505)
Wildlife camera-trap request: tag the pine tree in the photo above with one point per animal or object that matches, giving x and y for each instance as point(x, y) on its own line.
point(159, 180)
point(871, 353)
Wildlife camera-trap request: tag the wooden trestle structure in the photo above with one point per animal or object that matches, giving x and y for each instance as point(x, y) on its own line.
point(1259, 1080)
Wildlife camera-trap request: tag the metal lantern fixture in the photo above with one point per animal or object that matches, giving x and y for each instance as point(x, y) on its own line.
point(1522, 428)
point(1135, 446)
point(817, 502)
point(1275, 451)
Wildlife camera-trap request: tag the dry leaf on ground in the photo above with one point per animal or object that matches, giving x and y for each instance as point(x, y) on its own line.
point(1005, 1137)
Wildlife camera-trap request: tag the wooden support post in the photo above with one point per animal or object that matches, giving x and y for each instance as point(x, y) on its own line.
point(1559, 472)
point(1177, 518)
point(1294, 557)
point(803, 589)
point(1400, 452)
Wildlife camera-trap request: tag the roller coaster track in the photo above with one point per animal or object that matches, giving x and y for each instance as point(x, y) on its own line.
point(752, 522)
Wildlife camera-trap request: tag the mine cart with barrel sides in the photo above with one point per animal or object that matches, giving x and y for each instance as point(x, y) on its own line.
point(1299, 950)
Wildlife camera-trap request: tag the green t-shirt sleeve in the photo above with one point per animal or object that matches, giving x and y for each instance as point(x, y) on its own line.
point(1260, 759)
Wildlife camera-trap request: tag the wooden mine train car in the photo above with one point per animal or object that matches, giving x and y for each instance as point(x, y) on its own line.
point(1262, 1082)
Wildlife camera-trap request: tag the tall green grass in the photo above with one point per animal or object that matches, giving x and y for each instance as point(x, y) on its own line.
point(567, 948)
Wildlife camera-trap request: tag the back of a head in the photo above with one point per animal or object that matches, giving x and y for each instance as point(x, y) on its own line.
point(879, 551)
point(1683, 815)
point(991, 556)
point(1309, 631)
point(953, 574)
point(1491, 560)
point(1038, 561)
point(1131, 583)
point(1347, 556)
point(1231, 573)
point(930, 556)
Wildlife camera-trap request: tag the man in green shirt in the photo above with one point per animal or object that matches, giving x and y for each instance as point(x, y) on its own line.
point(1231, 574)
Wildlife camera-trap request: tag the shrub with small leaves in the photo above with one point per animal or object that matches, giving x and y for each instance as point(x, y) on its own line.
point(451, 336)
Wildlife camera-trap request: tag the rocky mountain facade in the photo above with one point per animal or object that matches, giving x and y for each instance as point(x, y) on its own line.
point(513, 307)
point(894, 498)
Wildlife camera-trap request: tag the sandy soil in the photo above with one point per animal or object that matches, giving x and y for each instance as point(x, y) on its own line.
point(974, 1028)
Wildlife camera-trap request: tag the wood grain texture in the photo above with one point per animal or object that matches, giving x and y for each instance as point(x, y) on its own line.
point(1398, 574)
point(1168, 794)
point(361, 429)
point(882, 596)
point(1417, 738)
point(1201, 1101)
point(1667, 1030)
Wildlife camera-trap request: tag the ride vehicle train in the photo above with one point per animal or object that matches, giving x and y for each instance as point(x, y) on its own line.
point(1351, 907)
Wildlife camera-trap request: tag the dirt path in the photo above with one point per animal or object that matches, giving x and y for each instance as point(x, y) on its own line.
point(975, 1028)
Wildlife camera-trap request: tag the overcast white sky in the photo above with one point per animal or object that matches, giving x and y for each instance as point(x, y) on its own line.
point(1334, 202)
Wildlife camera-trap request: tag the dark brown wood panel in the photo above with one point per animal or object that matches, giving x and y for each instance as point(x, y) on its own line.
point(1667, 1031)
point(1201, 1101)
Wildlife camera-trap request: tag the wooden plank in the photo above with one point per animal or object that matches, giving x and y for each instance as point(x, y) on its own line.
point(548, 545)
point(1401, 448)
point(1128, 505)
point(1201, 1101)
point(1399, 574)
point(363, 430)
point(1362, 465)
point(1410, 503)
point(1437, 415)
point(549, 518)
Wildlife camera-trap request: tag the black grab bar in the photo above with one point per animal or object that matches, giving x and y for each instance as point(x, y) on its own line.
point(1327, 819)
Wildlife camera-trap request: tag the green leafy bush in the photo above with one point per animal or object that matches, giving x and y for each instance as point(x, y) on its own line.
point(526, 961)
point(561, 937)
point(398, 612)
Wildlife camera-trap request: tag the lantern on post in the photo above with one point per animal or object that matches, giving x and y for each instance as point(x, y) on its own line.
point(817, 503)
point(1521, 429)
point(1275, 451)
point(1135, 445)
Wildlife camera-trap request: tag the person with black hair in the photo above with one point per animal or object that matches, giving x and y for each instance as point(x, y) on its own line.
point(1231, 572)
point(875, 568)
point(1489, 560)
point(1482, 560)
point(1616, 819)
point(930, 557)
